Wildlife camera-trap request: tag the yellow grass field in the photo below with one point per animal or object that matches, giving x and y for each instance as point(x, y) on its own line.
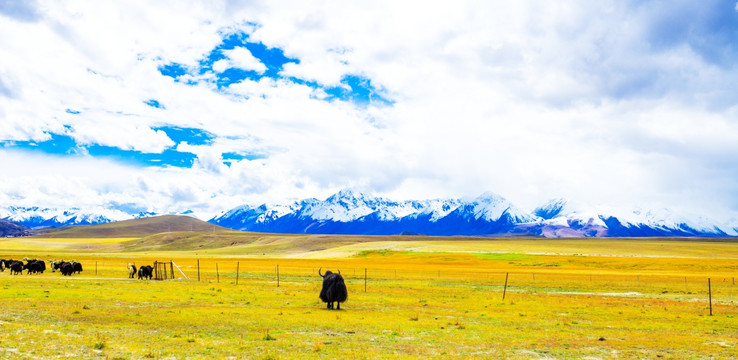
point(424, 298)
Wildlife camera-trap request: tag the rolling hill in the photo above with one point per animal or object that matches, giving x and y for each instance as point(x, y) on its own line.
point(135, 228)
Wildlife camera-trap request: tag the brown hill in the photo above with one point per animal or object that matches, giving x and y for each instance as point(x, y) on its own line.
point(136, 228)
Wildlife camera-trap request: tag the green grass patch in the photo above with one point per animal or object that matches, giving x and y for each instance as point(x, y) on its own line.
point(505, 257)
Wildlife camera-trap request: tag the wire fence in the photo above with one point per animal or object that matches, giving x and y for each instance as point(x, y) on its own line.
point(690, 287)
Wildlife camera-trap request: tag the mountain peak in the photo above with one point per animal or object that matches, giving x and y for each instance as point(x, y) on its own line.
point(489, 196)
point(346, 194)
point(553, 208)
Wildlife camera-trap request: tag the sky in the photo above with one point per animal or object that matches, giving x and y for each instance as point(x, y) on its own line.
point(168, 106)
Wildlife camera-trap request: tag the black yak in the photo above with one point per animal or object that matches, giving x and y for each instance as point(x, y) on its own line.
point(334, 289)
point(145, 272)
point(77, 267)
point(66, 268)
point(35, 266)
point(16, 268)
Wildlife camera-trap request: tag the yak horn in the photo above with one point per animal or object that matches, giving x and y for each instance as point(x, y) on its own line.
point(339, 271)
point(321, 275)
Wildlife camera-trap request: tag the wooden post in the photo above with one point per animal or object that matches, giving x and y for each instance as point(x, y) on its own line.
point(364, 279)
point(217, 274)
point(238, 264)
point(198, 269)
point(504, 291)
point(277, 275)
point(171, 269)
point(709, 292)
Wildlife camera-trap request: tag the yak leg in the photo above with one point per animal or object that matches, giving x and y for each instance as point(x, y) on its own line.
point(338, 305)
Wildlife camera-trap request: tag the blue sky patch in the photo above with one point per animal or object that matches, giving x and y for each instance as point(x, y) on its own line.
point(173, 70)
point(272, 58)
point(191, 136)
point(57, 145)
point(230, 157)
point(154, 103)
point(168, 157)
point(65, 145)
point(356, 89)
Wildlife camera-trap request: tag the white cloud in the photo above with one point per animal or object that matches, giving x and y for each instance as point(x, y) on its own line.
point(584, 100)
point(241, 58)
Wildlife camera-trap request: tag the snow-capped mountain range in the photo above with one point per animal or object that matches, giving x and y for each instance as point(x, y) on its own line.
point(349, 212)
point(35, 217)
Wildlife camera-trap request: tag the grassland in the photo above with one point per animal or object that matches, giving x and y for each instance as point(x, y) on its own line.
point(425, 298)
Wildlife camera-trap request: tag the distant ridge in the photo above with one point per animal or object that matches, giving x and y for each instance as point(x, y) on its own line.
point(135, 228)
point(348, 212)
point(9, 228)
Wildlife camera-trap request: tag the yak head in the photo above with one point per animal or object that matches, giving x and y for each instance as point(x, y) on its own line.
point(55, 264)
point(327, 272)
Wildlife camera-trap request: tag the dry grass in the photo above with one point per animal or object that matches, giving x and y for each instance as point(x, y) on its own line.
point(409, 314)
point(445, 302)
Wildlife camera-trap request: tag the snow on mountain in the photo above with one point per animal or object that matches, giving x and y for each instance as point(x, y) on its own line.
point(349, 212)
point(492, 207)
point(563, 213)
point(34, 217)
point(551, 209)
point(666, 221)
point(343, 206)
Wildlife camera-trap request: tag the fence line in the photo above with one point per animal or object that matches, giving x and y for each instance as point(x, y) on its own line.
point(722, 289)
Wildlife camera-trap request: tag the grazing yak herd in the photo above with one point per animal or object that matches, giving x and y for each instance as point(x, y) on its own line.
point(34, 266)
point(333, 290)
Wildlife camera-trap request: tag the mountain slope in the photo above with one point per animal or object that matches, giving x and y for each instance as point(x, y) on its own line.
point(137, 228)
point(9, 228)
point(36, 217)
point(348, 212)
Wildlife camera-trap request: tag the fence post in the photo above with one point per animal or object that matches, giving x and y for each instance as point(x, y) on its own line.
point(709, 292)
point(238, 264)
point(504, 291)
point(277, 275)
point(171, 269)
point(198, 269)
point(217, 274)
